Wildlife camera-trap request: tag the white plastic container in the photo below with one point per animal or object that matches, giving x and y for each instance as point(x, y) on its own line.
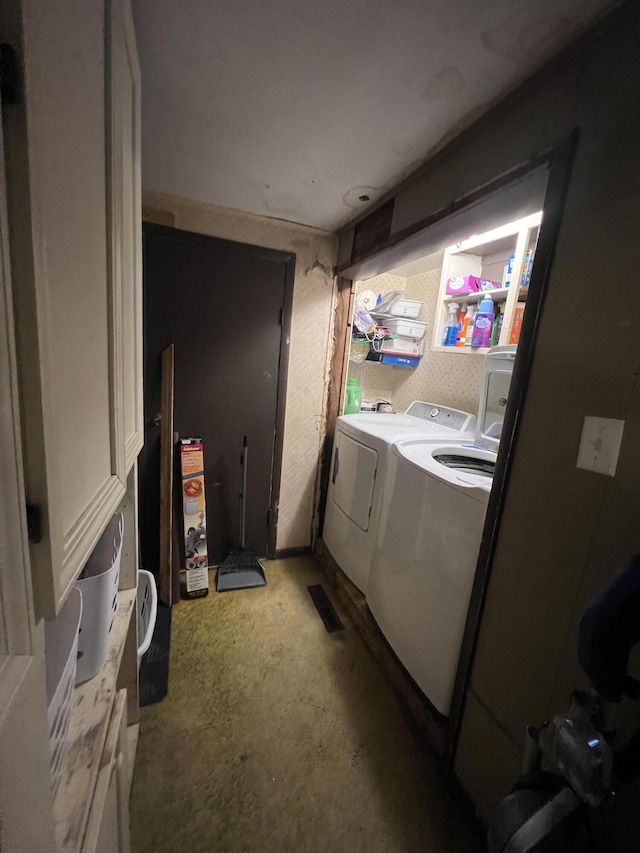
point(408, 346)
point(147, 610)
point(407, 328)
point(406, 308)
point(98, 584)
point(61, 652)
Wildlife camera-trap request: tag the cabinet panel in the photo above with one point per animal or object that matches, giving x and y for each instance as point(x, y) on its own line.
point(66, 321)
point(17, 622)
point(125, 216)
point(108, 841)
point(108, 825)
point(25, 781)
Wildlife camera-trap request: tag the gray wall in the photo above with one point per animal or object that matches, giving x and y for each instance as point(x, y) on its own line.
point(564, 530)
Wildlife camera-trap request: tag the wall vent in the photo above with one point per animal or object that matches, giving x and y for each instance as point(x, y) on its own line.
point(372, 232)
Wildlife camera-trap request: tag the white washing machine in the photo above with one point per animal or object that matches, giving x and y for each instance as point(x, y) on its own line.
point(430, 526)
point(360, 453)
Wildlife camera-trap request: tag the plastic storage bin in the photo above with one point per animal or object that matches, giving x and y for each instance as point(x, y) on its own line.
point(408, 346)
point(407, 328)
point(406, 308)
point(98, 584)
point(147, 600)
point(61, 649)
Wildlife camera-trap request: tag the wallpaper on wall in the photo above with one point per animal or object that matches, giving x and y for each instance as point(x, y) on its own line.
point(313, 296)
point(449, 380)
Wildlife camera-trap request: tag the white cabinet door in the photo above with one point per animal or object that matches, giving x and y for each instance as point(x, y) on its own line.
point(125, 215)
point(67, 322)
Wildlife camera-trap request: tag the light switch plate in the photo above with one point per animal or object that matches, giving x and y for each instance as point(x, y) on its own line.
point(600, 445)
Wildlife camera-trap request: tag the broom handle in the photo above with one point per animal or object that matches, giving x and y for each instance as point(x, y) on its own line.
point(243, 493)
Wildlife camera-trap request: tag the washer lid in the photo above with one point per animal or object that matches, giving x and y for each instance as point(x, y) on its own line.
point(494, 394)
point(469, 464)
point(468, 468)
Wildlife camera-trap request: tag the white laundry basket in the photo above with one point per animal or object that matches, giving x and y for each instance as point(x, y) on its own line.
point(61, 649)
point(98, 584)
point(147, 610)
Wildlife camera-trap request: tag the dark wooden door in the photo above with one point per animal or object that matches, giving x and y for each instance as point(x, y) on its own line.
point(226, 308)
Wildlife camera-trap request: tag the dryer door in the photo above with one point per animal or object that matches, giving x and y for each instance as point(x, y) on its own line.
point(353, 477)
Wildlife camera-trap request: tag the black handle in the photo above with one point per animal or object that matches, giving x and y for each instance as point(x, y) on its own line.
point(336, 464)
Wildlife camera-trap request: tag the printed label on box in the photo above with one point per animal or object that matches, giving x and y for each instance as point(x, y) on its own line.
point(194, 516)
point(197, 580)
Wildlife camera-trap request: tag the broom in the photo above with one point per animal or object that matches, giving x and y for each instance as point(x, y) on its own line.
point(241, 569)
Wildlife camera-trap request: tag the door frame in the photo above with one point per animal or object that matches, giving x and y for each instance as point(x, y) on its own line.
point(558, 160)
point(340, 338)
point(288, 259)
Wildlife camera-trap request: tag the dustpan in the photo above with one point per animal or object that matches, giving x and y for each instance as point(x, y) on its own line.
point(241, 569)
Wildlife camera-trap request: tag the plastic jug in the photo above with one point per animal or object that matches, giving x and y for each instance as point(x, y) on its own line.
point(450, 332)
point(483, 324)
point(353, 398)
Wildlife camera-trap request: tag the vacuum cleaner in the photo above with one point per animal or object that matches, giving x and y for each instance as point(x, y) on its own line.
point(573, 764)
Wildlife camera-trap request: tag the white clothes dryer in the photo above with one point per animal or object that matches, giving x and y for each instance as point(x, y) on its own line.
point(360, 453)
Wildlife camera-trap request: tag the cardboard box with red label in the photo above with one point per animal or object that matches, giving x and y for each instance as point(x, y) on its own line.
point(194, 511)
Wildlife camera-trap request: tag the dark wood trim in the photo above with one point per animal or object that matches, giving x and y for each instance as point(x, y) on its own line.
point(260, 252)
point(557, 186)
point(428, 725)
point(493, 187)
point(341, 336)
point(177, 526)
point(286, 553)
point(165, 582)
point(476, 822)
point(346, 343)
point(281, 404)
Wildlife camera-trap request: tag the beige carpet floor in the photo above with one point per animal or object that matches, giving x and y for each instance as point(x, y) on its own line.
point(277, 736)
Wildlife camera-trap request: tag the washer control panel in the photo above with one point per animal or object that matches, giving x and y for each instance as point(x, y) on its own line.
point(440, 415)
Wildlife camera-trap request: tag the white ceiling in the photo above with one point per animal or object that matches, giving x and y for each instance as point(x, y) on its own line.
point(295, 109)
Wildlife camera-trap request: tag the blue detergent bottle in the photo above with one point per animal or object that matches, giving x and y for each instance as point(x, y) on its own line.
point(483, 324)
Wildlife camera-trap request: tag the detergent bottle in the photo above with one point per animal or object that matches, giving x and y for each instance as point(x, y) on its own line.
point(466, 317)
point(462, 326)
point(450, 332)
point(353, 398)
point(483, 324)
point(497, 324)
point(469, 321)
